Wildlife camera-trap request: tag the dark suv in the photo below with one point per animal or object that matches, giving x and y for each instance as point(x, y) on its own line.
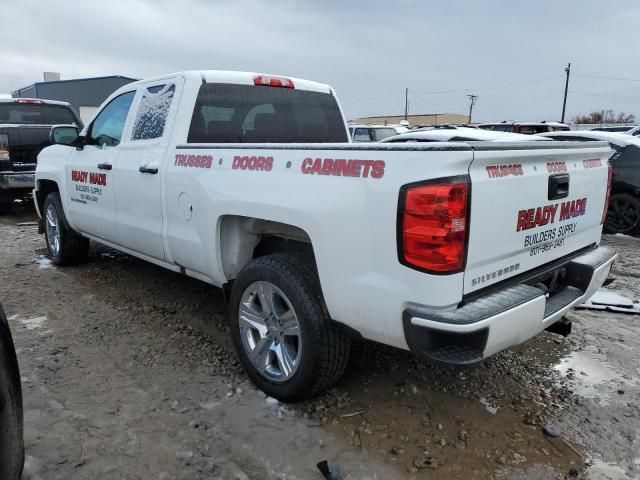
point(25, 124)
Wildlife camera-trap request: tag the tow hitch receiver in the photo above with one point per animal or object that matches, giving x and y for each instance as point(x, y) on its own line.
point(561, 327)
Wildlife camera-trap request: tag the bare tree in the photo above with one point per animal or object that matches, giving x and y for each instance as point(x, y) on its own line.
point(604, 116)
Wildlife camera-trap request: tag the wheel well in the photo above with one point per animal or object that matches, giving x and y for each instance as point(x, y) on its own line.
point(45, 187)
point(244, 238)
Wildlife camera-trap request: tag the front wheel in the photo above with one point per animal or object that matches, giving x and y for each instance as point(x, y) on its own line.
point(623, 215)
point(282, 331)
point(66, 247)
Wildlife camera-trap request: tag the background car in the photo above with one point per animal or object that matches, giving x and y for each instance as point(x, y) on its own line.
point(11, 419)
point(635, 131)
point(526, 128)
point(452, 133)
point(25, 124)
point(614, 128)
point(623, 215)
point(374, 133)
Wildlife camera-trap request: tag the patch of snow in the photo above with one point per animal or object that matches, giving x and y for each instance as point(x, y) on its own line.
point(44, 263)
point(271, 401)
point(607, 299)
point(32, 323)
point(490, 407)
point(210, 405)
point(31, 469)
point(600, 470)
point(625, 236)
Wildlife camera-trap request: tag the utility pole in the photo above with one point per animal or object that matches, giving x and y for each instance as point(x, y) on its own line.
point(566, 89)
point(406, 103)
point(472, 102)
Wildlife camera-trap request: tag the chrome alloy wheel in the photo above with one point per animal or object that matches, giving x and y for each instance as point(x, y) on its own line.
point(53, 232)
point(270, 331)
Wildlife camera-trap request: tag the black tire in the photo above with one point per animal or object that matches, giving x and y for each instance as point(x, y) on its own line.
point(11, 419)
point(6, 203)
point(73, 248)
point(623, 215)
point(324, 350)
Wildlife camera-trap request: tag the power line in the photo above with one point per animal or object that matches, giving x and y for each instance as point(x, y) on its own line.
point(429, 104)
point(378, 97)
point(484, 89)
point(603, 77)
point(623, 97)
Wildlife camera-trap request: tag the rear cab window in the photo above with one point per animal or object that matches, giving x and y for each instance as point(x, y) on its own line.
point(231, 113)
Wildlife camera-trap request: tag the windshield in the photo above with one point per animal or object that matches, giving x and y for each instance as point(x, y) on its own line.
point(35, 114)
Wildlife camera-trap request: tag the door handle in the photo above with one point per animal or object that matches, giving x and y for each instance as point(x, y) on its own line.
point(151, 170)
point(105, 166)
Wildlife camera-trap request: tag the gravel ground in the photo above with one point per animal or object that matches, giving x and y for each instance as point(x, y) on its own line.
point(128, 372)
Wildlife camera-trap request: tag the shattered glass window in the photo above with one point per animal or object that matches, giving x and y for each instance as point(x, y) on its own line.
point(152, 112)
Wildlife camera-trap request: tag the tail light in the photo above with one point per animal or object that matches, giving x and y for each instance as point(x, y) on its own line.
point(4, 146)
point(606, 200)
point(433, 223)
point(273, 81)
point(31, 101)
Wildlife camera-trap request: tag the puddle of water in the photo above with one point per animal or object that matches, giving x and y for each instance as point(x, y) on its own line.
point(588, 372)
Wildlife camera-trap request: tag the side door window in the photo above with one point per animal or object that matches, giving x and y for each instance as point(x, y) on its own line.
point(108, 126)
point(152, 112)
point(362, 135)
point(526, 130)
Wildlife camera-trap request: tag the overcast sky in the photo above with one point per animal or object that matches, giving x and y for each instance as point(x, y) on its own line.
point(511, 54)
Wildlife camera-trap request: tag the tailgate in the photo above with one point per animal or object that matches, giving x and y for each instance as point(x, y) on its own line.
point(25, 142)
point(532, 204)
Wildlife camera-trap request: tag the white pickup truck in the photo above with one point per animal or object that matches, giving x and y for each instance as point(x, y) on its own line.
point(248, 182)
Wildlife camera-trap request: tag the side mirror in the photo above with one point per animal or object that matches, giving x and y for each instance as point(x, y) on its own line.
point(66, 135)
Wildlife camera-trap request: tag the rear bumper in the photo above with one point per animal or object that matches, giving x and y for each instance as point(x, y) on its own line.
point(17, 180)
point(504, 318)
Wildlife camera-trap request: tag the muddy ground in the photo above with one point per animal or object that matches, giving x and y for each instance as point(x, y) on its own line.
point(128, 373)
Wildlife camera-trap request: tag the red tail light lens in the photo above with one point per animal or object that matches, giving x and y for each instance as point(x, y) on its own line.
point(273, 81)
point(606, 200)
point(33, 101)
point(434, 225)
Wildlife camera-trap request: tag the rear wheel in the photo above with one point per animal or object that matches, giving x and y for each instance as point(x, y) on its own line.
point(282, 331)
point(66, 247)
point(11, 420)
point(623, 215)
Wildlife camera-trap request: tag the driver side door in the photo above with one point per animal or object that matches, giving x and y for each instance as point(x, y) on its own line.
point(90, 186)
